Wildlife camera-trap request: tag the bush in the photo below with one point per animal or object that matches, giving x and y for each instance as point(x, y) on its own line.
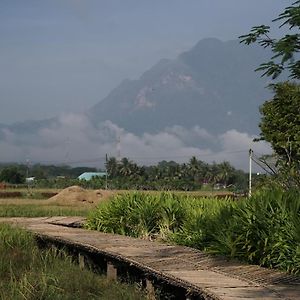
point(12, 175)
point(139, 214)
point(263, 230)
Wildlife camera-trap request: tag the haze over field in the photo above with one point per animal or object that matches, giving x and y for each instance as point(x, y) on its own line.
point(60, 59)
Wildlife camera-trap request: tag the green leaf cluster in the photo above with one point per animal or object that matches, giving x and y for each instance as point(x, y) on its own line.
point(280, 123)
point(284, 49)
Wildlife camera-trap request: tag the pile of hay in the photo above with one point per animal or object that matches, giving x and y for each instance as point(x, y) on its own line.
point(76, 195)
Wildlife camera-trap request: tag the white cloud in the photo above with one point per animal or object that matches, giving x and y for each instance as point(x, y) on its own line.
point(72, 138)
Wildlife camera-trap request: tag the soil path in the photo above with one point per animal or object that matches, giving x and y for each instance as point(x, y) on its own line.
point(208, 276)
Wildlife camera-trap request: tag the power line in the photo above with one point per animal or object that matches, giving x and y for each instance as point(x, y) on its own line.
point(264, 165)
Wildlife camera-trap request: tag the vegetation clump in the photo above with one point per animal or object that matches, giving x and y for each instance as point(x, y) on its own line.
point(263, 230)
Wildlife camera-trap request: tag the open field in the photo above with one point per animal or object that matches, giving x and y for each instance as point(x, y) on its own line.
point(72, 201)
point(28, 272)
point(262, 230)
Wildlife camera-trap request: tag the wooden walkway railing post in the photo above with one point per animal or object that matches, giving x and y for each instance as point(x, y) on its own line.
point(81, 261)
point(150, 290)
point(112, 273)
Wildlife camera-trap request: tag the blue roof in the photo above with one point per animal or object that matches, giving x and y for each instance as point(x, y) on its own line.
point(90, 175)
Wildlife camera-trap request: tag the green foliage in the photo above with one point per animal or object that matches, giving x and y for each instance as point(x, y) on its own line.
point(284, 49)
point(281, 115)
point(27, 272)
point(138, 214)
point(49, 171)
point(125, 174)
point(28, 210)
point(199, 228)
point(280, 124)
point(263, 230)
point(12, 175)
point(169, 175)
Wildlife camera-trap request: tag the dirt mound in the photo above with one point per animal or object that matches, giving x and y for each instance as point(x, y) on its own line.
point(76, 195)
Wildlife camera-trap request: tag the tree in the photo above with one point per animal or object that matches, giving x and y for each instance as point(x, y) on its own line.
point(284, 49)
point(280, 123)
point(225, 172)
point(112, 167)
point(12, 175)
point(125, 168)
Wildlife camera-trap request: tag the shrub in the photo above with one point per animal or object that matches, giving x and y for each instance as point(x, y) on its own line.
point(264, 229)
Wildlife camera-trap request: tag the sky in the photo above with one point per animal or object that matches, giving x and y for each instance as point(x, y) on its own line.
point(61, 56)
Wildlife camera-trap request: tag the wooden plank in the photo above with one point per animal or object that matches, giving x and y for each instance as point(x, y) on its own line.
point(212, 277)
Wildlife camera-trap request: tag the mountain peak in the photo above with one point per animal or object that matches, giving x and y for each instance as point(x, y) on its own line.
point(213, 85)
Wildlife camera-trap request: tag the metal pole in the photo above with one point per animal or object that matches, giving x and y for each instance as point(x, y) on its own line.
point(106, 171)
point(250, 172)
point(27, 173)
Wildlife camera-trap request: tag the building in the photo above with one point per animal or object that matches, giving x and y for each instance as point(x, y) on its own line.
point(89, 175)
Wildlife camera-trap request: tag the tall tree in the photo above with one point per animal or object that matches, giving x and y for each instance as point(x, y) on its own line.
point(225, 171)
point(112, 167)
point(126, 167)
point(280, 124)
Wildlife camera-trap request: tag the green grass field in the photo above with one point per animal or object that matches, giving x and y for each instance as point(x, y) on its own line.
point(27, 272)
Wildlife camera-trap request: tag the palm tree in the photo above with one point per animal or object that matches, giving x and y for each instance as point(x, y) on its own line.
point(126, 167)
point(225, 171)
point(196, 169)
point(112, 167)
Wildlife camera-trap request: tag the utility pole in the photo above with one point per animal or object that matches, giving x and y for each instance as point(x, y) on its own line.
point(106, 159)
point(250, 172)
point(27, 167)
point(27, 173)
point(119, 148)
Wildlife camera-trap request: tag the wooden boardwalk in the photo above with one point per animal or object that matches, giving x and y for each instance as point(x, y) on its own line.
point(200, 274)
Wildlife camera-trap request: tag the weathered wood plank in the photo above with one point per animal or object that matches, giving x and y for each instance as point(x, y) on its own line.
point(212, 277)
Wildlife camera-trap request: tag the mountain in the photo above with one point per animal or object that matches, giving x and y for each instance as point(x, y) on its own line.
point(30, 126)
point(204, 103)
point(213, 85)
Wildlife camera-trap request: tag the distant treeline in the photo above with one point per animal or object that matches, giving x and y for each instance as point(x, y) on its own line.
point(40, 171)
point(126, 174)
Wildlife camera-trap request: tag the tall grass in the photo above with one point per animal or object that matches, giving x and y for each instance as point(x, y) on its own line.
point(27, 272)
point(139, 214)
point(263, 230)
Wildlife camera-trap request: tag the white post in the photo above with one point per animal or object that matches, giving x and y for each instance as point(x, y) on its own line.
point(250, 173)
point(106, 159)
